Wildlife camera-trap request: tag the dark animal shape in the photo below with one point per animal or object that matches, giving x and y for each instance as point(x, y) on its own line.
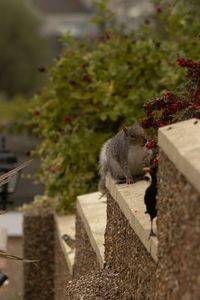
point(150, 196)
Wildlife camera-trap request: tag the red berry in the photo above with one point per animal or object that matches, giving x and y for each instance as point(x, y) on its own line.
point(190, 63)
point(87, 77)
point(159, 8)
point(52, 169)
point(181, 62)
point(68, 119)
point(168, 94)
point(159, 103)
point(146, 105)
point(108, 35)
point(36, 113)
point(151, 143)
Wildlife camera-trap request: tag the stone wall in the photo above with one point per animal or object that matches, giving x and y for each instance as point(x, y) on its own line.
point(125, 253)
point(178, 272)
point(95, 285)
point(85, 259)
point(48, 278)
point(178, 275)
point(62, 274)
point(39, 241)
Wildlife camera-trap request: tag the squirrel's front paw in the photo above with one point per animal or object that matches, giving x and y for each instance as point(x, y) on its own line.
point(129, 180)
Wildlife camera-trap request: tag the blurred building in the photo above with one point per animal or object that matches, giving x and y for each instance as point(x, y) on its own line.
point(61, 16)
point(129, 12)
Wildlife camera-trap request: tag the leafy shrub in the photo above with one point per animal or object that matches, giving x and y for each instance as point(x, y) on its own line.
point(94, 89)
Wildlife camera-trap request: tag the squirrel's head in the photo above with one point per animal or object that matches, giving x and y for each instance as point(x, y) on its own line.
point(135, 134)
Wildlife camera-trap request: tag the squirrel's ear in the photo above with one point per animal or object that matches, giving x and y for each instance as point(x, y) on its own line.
point(125, 129)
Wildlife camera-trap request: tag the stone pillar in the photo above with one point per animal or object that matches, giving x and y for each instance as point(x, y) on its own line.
point(178, 271)
point(39, 235)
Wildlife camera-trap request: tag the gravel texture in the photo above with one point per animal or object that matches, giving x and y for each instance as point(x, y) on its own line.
point(178, 273)
point(62, 274)
point(85, 257)
point(39, 232)
point(126, 254)
point(96, 285)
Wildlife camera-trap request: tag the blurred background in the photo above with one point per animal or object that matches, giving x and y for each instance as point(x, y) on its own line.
point(30, 40)
point(31, 34)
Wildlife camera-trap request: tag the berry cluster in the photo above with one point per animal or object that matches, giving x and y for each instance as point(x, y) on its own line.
point(188, 63)
point(176, 106)
point(151, 143)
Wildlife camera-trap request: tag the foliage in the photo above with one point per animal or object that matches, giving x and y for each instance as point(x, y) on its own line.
point(22, 48)
point(174, 106)
point(14, 108)
point(38, 202)
point(13, 114)
point(95, 89)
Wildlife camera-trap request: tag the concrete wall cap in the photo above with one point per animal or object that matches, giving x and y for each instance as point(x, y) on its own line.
point(92, 211)
point(181, 143)
point(13, 222)
point(3, 239)
point(131, 202)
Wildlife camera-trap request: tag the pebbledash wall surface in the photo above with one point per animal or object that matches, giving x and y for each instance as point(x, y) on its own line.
point(129, 266)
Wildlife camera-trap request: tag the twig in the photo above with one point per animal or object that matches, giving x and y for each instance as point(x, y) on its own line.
point(4, 178)
point(14, 257)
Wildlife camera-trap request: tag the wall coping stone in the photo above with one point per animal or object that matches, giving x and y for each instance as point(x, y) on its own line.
point(92, 211)
point(13, 222)
point(3, 239)
point(130, 199)
point(181, 143)
point(66, 225)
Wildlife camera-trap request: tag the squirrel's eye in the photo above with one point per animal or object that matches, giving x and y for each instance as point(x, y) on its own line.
point(133, 136)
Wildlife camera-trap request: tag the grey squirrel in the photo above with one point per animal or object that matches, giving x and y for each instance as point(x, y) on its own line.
point(124, 156)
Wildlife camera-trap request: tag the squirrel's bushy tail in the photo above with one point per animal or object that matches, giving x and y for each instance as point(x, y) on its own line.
point(103, 163)
point(102, 185)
